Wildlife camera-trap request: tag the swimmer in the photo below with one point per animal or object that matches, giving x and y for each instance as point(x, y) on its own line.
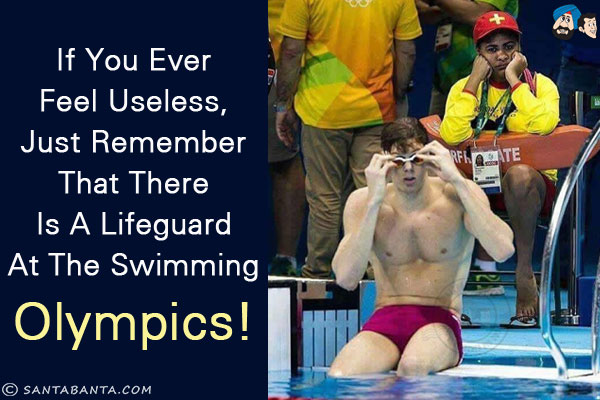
point(418, 233)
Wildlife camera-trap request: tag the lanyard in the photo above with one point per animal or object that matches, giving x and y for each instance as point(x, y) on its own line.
point(484, 115)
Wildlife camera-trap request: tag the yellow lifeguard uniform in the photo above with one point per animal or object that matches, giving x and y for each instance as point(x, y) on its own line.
point(537, 114)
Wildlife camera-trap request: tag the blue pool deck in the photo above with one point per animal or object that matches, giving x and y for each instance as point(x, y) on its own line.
point(518, 353)
point(491, 341)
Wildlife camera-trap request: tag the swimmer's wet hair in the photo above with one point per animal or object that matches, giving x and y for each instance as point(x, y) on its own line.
point(401, 132)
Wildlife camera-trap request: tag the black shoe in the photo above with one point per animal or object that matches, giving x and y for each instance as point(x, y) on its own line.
point(281, 266)
point(473, 289)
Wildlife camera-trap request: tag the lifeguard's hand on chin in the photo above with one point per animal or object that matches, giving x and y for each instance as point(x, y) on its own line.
point(481, 69)
point(376, 174)
point(480, 72)
point(517, 65)
point(438, 160)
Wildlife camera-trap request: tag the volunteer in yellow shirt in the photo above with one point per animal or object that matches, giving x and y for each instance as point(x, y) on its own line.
point(344, 69)
point(502, 94)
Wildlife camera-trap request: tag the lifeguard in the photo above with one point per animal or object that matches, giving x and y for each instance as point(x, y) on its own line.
point(502, 94)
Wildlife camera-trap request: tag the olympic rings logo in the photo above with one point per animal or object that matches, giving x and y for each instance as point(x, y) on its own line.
point(361, 3)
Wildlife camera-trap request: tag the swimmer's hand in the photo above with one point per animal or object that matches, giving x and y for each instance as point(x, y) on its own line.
point(376, 174)
point(438, 160)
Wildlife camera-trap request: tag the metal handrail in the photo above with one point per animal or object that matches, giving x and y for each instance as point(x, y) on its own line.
point(595, 324)
point(550, 246)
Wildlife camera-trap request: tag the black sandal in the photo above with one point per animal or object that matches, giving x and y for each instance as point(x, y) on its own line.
point(466, 323)
point(520, 322)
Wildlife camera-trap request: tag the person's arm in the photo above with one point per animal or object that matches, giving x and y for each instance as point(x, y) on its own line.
point(360, 218)
point(462, 105)
point(406, 30)
point(294, 26)
point(541, 112)
point(405, 54)
point(464, 11)
point(430, 15)
point(495, 235)
point(288, 74)
point(461, 109)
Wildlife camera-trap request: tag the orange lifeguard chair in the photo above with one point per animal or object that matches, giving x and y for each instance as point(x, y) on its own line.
point(554, 151)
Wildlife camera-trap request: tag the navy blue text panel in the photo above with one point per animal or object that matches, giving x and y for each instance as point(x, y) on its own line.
point(134, 188)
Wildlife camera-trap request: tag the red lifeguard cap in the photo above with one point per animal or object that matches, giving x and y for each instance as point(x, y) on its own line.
point(492, 21)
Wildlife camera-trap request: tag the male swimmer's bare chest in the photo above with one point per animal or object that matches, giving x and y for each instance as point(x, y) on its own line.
point(421, 257)
point(434, 234)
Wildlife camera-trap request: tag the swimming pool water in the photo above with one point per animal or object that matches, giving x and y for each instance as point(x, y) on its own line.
point(314, 384)
point(318, 386)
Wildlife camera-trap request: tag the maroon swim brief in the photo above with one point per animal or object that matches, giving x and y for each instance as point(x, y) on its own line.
point(399, 323)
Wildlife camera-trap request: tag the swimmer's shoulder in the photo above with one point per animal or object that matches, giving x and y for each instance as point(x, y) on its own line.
point(449, 191)
point(357, 201)
point(358, 196)
point(444, 189)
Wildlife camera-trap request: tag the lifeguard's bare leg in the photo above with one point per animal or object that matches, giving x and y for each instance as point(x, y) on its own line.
point(524, 191)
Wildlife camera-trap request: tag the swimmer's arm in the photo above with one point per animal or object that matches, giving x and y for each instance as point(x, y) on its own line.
point(495, 235)
point(352, 256)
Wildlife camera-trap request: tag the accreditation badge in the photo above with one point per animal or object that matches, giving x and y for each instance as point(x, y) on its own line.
point(270, 76)
point(487, 168)
point(443, 37)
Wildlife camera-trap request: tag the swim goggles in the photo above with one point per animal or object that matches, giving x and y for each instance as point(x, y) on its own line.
point(415, 159)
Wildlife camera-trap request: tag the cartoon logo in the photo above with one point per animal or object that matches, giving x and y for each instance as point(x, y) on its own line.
point(568, 19)
point(587, 24)
point(565, 18)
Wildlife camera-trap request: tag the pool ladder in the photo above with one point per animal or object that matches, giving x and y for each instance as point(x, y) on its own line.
point(548, 258)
